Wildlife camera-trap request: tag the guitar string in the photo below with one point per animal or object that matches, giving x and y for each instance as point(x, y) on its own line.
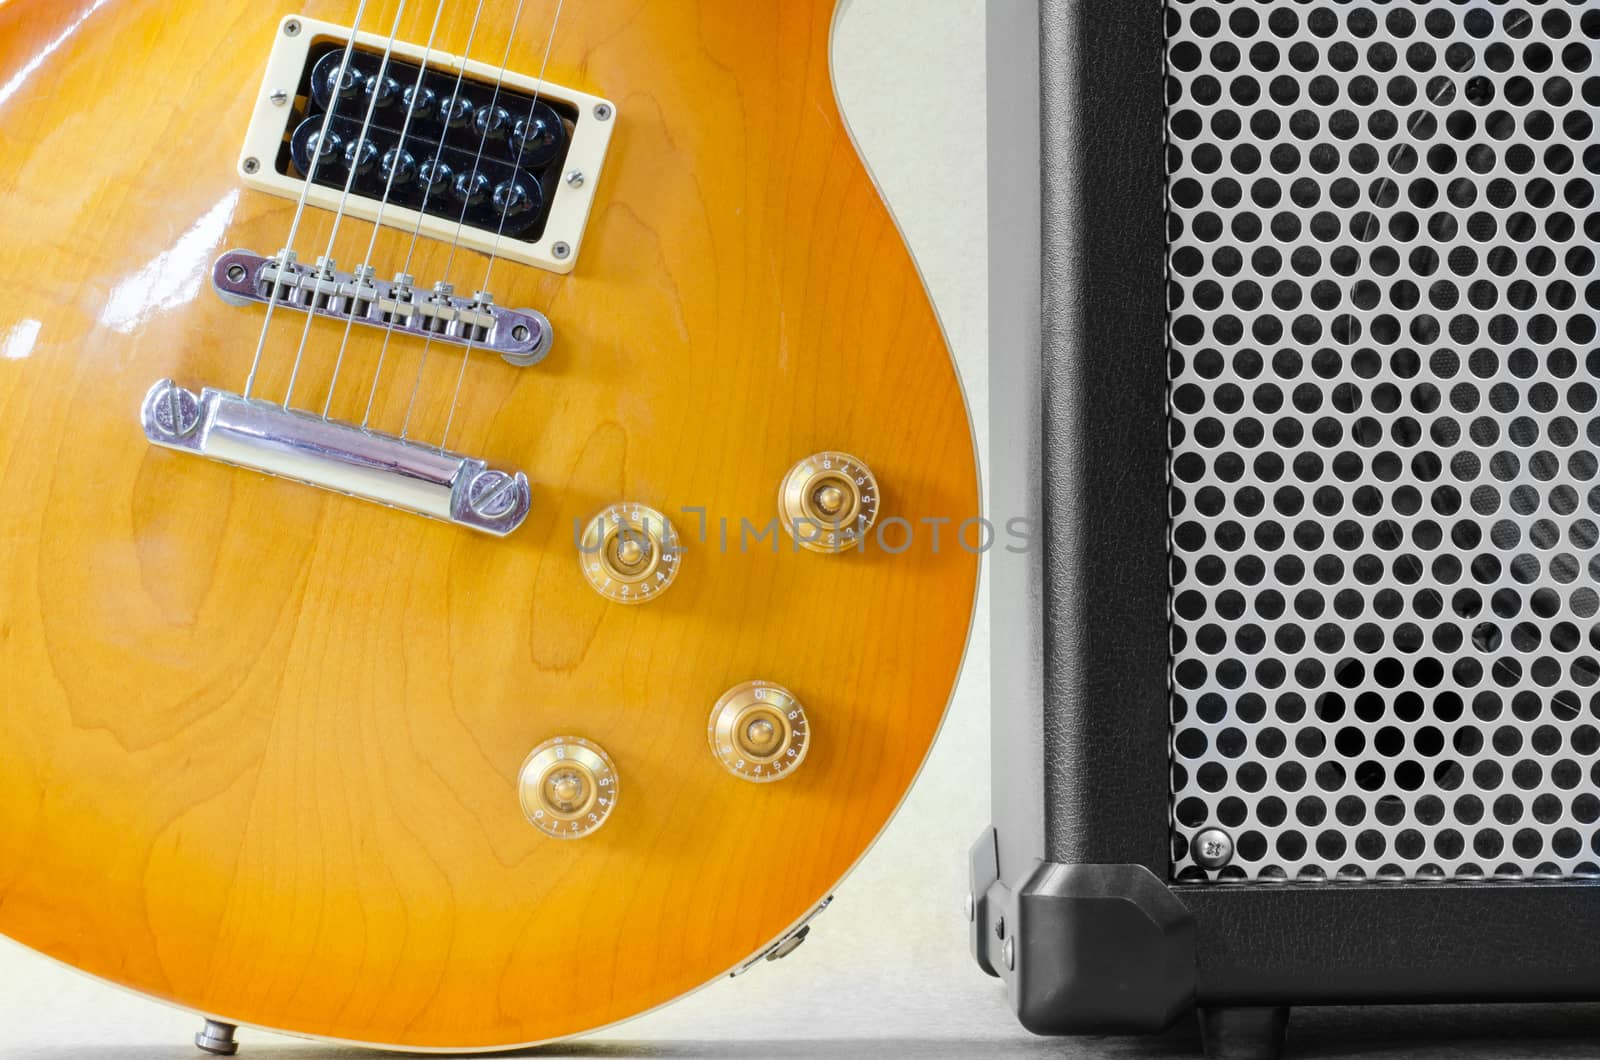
point(422, 210)
point(461, 221)
point(388, 189)
point(299, 211)
point(499, 233)
point(349, 182)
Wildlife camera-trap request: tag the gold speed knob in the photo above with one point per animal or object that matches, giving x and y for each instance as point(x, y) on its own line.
point(758, 731)
point(828, 502)
point(630, 553)
point(568, 787)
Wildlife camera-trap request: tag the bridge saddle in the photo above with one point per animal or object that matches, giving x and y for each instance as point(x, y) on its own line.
point(521, 336)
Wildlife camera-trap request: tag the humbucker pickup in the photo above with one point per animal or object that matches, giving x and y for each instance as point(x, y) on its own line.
point(454, 149)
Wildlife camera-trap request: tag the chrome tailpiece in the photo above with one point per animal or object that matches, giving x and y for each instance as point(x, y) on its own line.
point(522, 336)
point(334, 456)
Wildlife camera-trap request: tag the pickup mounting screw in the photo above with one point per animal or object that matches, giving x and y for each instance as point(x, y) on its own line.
point(174, 412)
point(279, 98)
point(251, 165)
point(492, 494)
point(575, 178)
point(291, 28)
point(562, 251)
point(1213, 849)
point(602, 111)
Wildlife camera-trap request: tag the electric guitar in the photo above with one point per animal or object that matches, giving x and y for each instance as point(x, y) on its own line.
point(471, 481)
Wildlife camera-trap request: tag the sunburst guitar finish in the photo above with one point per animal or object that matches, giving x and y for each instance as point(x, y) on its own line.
point(262, 746)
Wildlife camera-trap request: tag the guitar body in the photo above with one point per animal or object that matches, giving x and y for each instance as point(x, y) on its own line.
point(259, 742)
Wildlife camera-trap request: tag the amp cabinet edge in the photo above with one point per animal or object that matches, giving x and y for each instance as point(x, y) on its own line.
point(1089, 949)
point(1418, 943)
point(1103, 429)
point(1116, 949)
point(1081, 835)
point(1016, 464)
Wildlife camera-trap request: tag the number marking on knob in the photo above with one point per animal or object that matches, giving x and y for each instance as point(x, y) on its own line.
point(568, 787)
point(630, 553)
point(828, 502)
point(759, 731)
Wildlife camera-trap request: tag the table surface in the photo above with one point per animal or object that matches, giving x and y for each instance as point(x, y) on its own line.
point(885, 971)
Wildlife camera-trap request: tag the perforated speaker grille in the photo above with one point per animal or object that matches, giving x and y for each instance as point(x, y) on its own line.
point(1383, 424)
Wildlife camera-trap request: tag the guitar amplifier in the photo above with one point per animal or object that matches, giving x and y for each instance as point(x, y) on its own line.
point(1297, 694)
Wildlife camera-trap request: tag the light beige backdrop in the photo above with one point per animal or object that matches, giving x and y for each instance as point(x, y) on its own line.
point(889, 958)
point(885, 974)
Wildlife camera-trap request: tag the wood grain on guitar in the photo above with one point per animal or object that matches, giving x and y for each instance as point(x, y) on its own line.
point(263, 747)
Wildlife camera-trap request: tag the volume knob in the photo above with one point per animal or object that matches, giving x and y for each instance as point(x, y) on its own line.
point(828, 502)
point(630, 553)
point(758, 731)
point(568, 787)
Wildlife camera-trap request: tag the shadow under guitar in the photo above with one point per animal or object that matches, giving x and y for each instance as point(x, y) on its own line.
point(1521, 1032)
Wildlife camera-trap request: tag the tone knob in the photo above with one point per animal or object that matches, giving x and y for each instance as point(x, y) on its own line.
point(828, 502)
point(568, 787)
point(630, 553)
point(758, 731)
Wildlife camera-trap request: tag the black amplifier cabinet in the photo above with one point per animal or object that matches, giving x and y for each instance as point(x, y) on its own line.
point(1297, 699)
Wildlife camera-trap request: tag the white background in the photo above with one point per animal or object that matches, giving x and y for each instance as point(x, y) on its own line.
point(885, 973)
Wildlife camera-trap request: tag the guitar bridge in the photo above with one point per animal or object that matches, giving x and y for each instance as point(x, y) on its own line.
point(333, 456)
point(522, 336)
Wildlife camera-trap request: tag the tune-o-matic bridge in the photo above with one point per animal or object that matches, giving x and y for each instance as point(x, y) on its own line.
point(377, 467)
point(521, 336)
